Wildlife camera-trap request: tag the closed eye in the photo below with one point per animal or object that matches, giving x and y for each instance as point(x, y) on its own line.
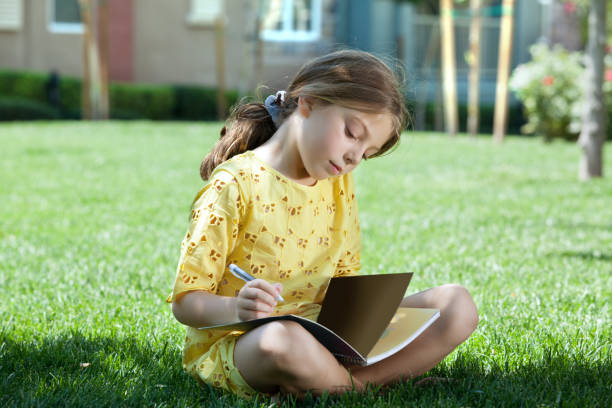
point(348, 133)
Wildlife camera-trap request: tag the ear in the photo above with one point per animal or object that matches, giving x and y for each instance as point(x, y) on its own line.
point(305, 104)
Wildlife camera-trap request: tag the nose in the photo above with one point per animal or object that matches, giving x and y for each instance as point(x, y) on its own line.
point(352, 157)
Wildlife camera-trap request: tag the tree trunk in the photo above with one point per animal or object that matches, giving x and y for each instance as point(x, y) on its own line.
point(424, 84)
point(86, 84)
point(500, 119)
point(474, 62)
point(103, 46)
point(92, 103)
point(220, 64)
point(258, 58)
point(593, 131)
point(449, 75)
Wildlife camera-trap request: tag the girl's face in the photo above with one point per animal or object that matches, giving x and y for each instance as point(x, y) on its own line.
point(334, 140)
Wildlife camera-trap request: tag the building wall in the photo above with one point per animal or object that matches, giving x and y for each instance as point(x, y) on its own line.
point(34, 48)
point(121, 40)
point(12, 49)
point(152, 41)
point(166, 49)
point(12, 39)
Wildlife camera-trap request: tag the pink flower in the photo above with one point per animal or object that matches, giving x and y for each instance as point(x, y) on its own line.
point(608, 49)
point(548, 80)
point(569, 7)
point(608, 75)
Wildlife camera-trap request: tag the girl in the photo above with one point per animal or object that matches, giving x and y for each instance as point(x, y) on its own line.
point(280, 204)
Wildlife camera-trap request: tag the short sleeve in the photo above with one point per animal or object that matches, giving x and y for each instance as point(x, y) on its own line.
point(211, 236)
point(349, 263)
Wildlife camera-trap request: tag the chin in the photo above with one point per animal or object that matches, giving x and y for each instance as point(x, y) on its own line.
point(323, 176)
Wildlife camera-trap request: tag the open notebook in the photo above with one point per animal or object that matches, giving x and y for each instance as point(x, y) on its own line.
point(360, 320)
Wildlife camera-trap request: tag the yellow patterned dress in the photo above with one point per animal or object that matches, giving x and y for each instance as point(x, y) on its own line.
point(251, 215)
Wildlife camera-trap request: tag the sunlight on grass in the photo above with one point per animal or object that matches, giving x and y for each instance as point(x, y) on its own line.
point(93, 214)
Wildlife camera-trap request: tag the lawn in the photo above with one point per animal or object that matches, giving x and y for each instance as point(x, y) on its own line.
point(93, 214)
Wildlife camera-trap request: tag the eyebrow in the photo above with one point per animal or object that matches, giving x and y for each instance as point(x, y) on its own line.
point(367, 132)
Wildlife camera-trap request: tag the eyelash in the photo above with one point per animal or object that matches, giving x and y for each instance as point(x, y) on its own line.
point(350, 135)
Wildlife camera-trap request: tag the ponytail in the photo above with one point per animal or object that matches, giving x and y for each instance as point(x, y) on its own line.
point(248, 127)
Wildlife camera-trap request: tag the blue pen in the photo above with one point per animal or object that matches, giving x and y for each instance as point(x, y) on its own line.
point(240, 274)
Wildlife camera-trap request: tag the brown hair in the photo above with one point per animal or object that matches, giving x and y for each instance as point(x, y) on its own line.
point(348, 78)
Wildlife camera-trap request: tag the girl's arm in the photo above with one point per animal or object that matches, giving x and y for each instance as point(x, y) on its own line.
point(198, 308)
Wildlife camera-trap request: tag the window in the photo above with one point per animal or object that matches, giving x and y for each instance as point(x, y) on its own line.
point(291, 20)
point(65, 16)
point(205, 12)
point(10, 15)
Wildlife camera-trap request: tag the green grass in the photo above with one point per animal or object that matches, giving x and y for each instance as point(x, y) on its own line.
point(92, 215)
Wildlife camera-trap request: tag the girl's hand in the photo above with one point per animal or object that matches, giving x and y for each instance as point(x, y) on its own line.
point(257, 299)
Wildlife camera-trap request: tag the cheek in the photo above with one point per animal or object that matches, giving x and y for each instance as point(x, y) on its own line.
point(324, 135)
point(318, 137)
point(335, 143)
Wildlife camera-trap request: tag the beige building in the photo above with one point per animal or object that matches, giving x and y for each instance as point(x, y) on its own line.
point(175, 41)
point(172, 41)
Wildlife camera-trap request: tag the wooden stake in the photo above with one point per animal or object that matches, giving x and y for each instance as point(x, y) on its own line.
point(503, 71)
point(433, 43)
point(474, 62)
point(449, 75)
point(85, 6)
point(220, 63)
point(103, 46)
point(258, 60)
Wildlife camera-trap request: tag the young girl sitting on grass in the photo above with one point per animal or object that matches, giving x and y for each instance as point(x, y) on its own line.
point(280, 204)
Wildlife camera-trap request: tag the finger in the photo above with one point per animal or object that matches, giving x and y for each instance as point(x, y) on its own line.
point(253, 305)
point(279, 288)
point(266, 291)
point(249, 315)
point(257, 295)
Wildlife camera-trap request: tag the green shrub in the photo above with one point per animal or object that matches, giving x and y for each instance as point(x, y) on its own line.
point(192, 103)
point(28, 85)
point(12, 108)
point(147, 101)
point(7, 81)
point(32, 86)
point(127, 101)
point(70, 95)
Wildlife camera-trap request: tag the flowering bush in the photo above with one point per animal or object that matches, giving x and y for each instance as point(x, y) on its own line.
point(548, 88)
point(551, 87)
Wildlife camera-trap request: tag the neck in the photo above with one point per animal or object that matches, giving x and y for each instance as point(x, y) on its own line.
point(281, 152)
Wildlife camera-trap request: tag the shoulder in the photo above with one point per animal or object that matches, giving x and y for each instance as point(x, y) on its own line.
point(230, 179)
point(237, 169)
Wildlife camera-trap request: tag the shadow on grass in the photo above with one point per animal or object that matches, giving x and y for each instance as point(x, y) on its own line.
point(586, 255)
point(584, 226)
point(74, 370)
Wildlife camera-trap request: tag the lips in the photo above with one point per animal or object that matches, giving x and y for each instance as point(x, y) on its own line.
point(336, 169)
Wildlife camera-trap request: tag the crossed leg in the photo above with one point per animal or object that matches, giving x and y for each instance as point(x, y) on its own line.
point(283, 356)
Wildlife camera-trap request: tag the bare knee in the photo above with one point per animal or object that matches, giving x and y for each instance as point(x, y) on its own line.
point(459, 311)
point(277, 344)
point(296, 356)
